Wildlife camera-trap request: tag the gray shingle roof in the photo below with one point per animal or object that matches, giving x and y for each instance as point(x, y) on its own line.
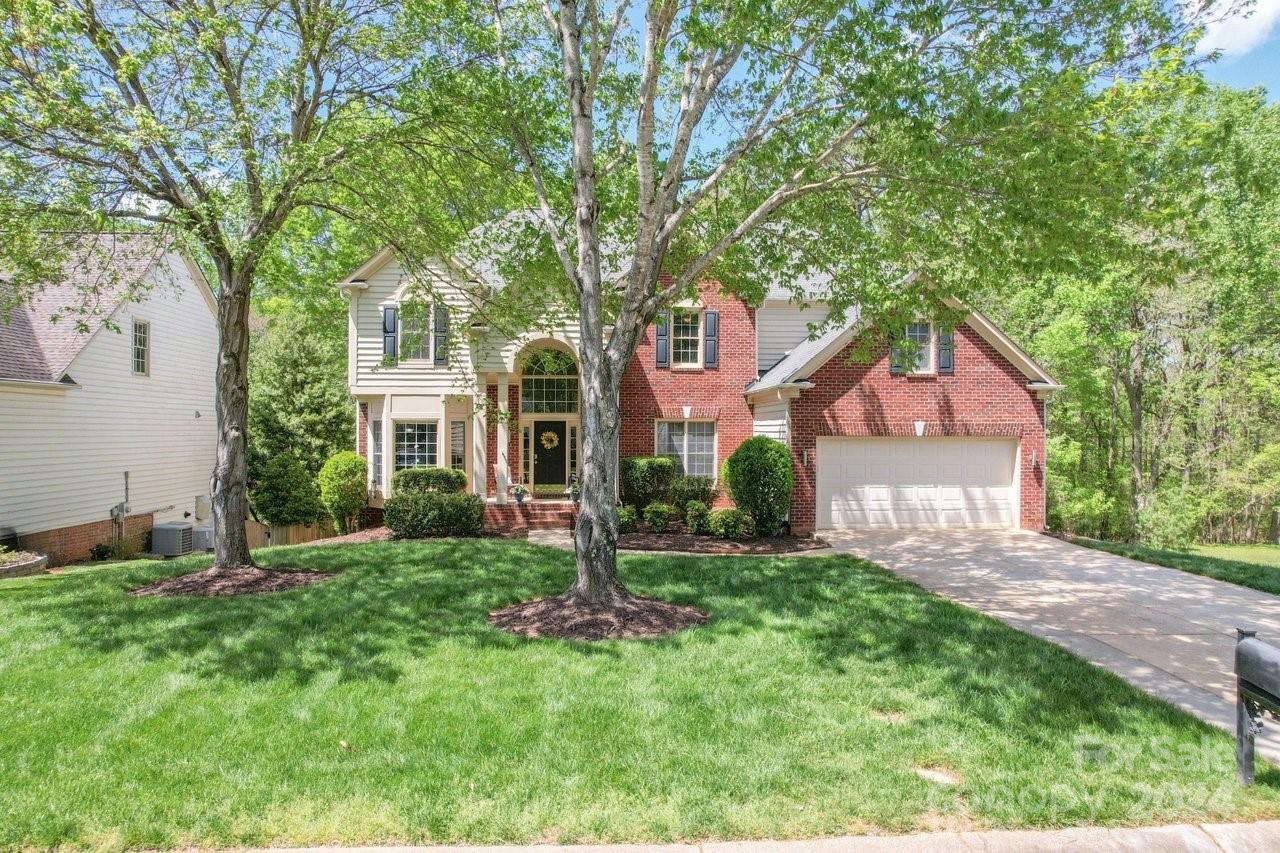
point(46, 332)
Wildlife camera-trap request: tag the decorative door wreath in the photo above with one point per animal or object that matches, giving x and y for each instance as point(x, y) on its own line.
point(550, 440)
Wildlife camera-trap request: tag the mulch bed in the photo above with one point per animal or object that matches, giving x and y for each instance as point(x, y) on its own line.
point(242, 580)
point(631, 618)
point(370, 534)
point(644, 541)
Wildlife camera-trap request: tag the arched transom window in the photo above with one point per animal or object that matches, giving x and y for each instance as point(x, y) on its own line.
point(549, 383)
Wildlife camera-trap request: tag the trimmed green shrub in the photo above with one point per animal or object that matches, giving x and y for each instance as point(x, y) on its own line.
point(285, 492)
point(461, 515)
point(423, 480)
point(731, 523)
point(646, 479)
point(410, 514)
point(342, 489)
point(760, 478)
point(421, 515)
point(626, 519)
point(697, 518)
point(687, 488)
point(658, 515)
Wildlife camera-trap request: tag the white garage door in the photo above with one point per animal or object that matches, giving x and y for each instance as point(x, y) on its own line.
point(916, 482)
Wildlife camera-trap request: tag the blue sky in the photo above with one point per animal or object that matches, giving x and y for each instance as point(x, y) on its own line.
point(1250, 48)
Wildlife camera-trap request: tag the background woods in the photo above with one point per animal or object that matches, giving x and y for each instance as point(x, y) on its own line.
point(1169, 341)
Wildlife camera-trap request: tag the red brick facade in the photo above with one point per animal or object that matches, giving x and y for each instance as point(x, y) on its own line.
point(73, 544)
point(362, 430)
point(491, 441)
point(650, 393)
point(985, 396)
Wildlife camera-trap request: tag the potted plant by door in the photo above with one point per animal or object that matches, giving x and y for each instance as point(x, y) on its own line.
point(520, 491)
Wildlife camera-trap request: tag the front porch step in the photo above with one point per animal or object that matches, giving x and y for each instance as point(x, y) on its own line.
point(532, 515)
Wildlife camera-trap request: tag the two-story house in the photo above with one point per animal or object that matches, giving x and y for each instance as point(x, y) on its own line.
point(956, 438)
point(107, 420)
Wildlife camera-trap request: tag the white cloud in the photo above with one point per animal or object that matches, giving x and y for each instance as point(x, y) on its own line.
point(1237, 35)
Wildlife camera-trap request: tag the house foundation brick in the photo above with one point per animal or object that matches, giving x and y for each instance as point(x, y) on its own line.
point(74, 543)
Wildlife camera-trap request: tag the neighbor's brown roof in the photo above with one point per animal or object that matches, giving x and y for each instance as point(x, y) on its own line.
point(44, 334)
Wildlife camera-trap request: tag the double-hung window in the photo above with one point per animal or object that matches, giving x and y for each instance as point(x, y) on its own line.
point(416, 445)
point(921, 335)
point(692, 444)
point(415, 331)
point(686, 338)
point(141, 348)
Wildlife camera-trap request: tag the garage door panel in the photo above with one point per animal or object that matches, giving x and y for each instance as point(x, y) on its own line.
point(895, 483)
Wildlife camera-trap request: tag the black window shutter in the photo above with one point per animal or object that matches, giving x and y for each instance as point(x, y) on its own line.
point(662, 340)
point(895, 356)
point(389, 346)
point(711, 339)
point(441, 342)
point(946, 351)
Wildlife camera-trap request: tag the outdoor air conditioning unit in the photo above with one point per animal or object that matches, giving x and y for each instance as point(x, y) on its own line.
point(202, 539)
point(171, 539)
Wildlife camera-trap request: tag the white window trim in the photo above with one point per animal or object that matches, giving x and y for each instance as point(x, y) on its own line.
point(715, 442)
point(930, 350)
point(699, 312)
point(394, 451)
point(133, 348)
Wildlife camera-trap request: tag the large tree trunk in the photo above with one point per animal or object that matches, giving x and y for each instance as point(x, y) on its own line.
point(596, 532)
point(229, 483)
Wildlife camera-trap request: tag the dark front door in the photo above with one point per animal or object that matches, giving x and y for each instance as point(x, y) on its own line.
point(549, 450)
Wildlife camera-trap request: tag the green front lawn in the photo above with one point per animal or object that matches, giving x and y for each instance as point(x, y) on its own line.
point(804, 708)
point(1254, 566)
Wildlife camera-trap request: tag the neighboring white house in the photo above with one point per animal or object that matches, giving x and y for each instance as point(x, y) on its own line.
point(110, 407)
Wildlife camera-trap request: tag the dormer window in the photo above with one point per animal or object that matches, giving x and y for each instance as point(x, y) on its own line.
point(141, 348)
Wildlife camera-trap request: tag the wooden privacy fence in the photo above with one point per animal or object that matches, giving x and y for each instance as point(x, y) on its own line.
point(265, 535)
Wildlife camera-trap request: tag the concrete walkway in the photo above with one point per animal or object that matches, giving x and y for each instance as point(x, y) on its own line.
point(1210, 838)
point(1167, 632)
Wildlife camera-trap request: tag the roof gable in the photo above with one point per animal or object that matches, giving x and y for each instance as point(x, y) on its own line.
point(810, 355)
point(45, 334)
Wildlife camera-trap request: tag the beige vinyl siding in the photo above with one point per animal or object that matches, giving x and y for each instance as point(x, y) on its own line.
point(386, 287)
point(63, 453)
point(772, 419)
point(781, 327)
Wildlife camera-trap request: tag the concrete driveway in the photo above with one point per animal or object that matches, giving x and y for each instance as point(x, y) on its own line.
point(1168, 632)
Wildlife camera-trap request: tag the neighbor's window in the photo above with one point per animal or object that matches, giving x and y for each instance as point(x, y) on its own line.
point(141, 347)
point(692, 444)
point(686, 337)
point(921, 334)
point(415, 445)
point(376, 435)
point(458, 445)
